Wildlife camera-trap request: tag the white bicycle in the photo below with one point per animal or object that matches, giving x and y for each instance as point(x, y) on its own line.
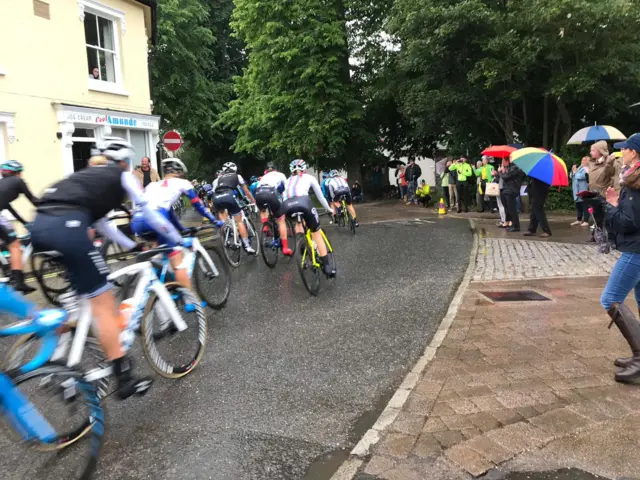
point(158, 311)
point(232, 242)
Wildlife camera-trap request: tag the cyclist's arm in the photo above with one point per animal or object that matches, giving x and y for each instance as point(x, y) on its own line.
point(109, 230)
point(318, 191)
point(196, 203)
point(27, 193)
point(156, 221)
point(16, 215)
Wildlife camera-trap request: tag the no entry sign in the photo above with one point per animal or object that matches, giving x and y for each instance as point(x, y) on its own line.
point(172, 140)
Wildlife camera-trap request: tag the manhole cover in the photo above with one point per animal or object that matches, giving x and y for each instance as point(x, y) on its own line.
point(516, 296)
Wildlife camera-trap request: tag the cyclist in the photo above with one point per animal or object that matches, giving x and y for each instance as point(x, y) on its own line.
point(160, 196)
point(223, 199)
point(66, 212)
point(253, 184)
point(338, 187)
point(297, 200)
point(268, 191)
point(11, 186)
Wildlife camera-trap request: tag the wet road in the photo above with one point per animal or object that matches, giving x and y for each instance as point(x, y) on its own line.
point(288, 378)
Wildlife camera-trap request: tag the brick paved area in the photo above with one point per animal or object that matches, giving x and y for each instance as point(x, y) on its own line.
point(499, 259)
point(515, 381)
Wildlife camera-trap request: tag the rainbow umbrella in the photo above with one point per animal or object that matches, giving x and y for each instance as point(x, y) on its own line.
point(543, 165)
point(595, 133)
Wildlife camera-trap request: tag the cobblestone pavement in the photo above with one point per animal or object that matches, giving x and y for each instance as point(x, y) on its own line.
point(499, 259)
point(517, 386)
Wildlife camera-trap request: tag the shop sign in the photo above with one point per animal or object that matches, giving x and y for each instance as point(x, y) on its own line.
point(112, 120)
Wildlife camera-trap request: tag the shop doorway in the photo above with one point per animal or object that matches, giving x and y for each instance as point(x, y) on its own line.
point(83, 141)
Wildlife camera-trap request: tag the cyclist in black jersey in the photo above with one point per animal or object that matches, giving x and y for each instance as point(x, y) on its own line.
point(11, 187)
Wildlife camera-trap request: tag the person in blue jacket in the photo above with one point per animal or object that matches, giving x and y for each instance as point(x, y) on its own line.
point(253, 184)
point(579, 183)
point(323, 185)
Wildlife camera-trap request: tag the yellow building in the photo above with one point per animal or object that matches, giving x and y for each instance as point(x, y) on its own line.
point(71, 73)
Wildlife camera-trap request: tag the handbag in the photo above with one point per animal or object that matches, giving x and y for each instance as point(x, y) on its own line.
point(492, 190)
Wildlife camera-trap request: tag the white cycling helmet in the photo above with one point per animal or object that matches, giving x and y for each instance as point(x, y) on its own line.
point(117, 149)
point(173, 165)
point(229, 167)
point(298, 165)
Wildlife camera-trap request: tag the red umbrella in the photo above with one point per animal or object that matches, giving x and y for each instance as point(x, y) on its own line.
point(498, 151)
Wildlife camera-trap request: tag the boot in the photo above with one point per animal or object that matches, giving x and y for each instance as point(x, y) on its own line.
point(624, 362)
point(328, 265)
point(17, 281)
point(629, 327)
point(127, 384)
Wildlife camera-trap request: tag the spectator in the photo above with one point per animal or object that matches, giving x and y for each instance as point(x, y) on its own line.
point(145, 174)
point(356, 192)
point(424, 193)
point(465, 174)
point(512, 179)
point(402, 183)
point(579, 183)
point(622, 219)
point(538, 192)
point(412, 174)
point(94, 74)
point(453, 185)
point(444, 182)
point(602, 168)
point(485, 173)
point(478, 184)
point(503, 223)
point(376, 182)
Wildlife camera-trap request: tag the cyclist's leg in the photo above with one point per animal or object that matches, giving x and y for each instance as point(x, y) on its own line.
point(312, 220)
point(8, 237)
point(349, 201)
point(88, 271)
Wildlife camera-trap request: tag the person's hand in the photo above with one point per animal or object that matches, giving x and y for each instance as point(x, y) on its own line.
point(612, 196)
point(574, 169)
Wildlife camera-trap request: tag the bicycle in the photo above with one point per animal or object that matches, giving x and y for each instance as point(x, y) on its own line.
point(232, 242)
point(53, 381)
point(270, 240)
point(212, 280)
point(308, 258)
point(153, 313)
point(344, 217)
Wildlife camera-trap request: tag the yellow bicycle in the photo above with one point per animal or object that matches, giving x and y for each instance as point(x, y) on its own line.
point(308, 258)
point(344, 217)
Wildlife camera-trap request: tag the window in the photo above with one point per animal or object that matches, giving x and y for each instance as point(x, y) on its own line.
point(83, 140)
point(102, 56)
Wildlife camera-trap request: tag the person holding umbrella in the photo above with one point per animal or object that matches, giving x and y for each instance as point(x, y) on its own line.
point(512, 178)
point(538, 192)
point(622, 219)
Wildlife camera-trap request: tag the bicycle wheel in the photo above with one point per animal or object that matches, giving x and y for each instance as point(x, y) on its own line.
point(51, 275)
point(76, 418)
point(291, 236)
point(309, 273)
point(173, 354)
point(213, 289)
point(253, 235)
point(268, 243)
point(231, 248)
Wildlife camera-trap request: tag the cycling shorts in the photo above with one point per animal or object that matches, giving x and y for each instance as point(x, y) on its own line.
point(66, 231)
point(267, 197)
point(7, 233)
point(140, 226)
point(304, 206)
point(340, 193)
point(225, 200)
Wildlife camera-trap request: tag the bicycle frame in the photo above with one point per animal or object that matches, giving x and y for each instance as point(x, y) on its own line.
point(147, 283)
point(189, 260)
point(314, 258)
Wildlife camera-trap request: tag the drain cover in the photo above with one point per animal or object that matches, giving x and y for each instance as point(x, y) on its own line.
point(516, 296)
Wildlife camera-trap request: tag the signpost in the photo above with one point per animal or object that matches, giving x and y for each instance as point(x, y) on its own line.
point(172, 140)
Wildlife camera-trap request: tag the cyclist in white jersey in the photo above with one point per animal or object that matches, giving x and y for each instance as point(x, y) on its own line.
point(160, 196)
point(297, 200)
point(338, 187)
point(267, 195)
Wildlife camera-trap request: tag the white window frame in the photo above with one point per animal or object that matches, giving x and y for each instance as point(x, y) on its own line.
point(117, 18)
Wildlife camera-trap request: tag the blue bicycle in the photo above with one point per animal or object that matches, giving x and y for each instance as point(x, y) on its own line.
point(77, 415)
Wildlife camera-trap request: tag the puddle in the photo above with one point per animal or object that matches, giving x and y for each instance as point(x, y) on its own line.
point(561, 474)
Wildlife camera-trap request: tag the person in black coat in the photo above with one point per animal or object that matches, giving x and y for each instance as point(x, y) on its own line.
point(511, 180)
point(538, 192)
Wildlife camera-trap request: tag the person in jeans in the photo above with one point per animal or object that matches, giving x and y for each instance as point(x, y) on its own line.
point(580, 183)
point(538, 192)
point(512, 179)
point(622, 219)
point(412, 174)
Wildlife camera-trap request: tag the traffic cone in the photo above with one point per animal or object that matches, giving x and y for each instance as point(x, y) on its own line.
point(441, 209)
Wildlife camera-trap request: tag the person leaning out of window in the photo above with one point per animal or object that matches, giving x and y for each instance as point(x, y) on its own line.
point(622, 219)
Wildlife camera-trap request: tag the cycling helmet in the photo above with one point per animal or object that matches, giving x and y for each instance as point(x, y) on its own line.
point(229, 167)
point(253, 179)
point(271, 166)
point(333, 173)
point(298, 165)
point(117, 149)
point(173, 165)
point(10, 167)
point(325, 175)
